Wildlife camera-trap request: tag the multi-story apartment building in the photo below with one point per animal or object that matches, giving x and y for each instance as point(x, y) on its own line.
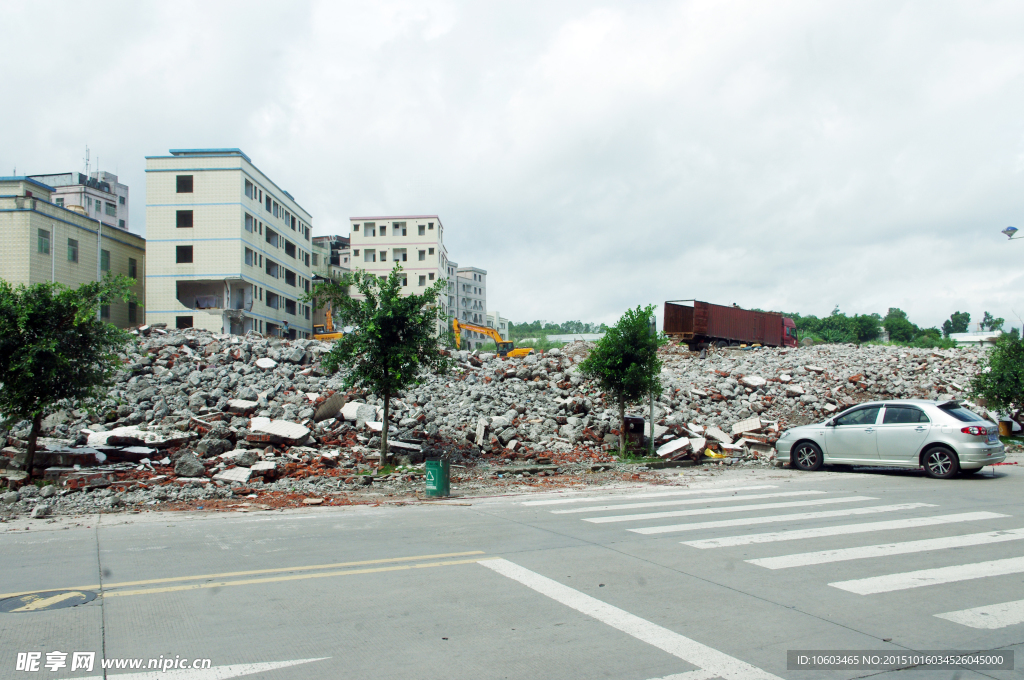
point(98, 195)
point(230, 251)
point(471, 302)
point(44, 241)
point(331, 260)
point(414, 241)
point(498, 323)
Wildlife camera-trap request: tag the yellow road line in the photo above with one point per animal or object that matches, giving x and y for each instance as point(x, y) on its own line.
point(277, 570)
point(294, 577)
point(44, 602)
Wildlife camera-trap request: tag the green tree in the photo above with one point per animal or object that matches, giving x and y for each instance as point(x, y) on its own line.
point(395, 339)
point(1000, 382)
point(899, 327)
point(992, 323)
point(53, 348)
point(866, 327)
point(958, 322)
point(625, 363)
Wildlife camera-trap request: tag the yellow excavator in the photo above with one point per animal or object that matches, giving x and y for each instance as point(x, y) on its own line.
point(505, 347)
point(326, 331)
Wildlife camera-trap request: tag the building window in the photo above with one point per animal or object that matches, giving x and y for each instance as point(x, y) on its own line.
point(431, 251)
point(184, 219)
point(405, 280)
point(423, 255)
point(369, 255)
point(111, 209)
point(316, 260)
point(397, 226)
point(183, 254)
point(120, 224)
point(104, 311)
point(248, 257)
point(423, 280)
point(289, 306)
point(289, 249)
point(248, 222)
point(133, 268)
point(355, 228)
point(383, 230)
point(181, 322)
point(184, 185)
point(383, 254)
point(105, 260)
point(98, 204)
point(431, 276)
point(60, 202)
point(272, 269)
point(423, 230)
point(289, 277)
point(72, 250)
point(133, 312)
point(272, 299)
point(250, 190)
point(44, 242)
point(272, 237)
point(356, 252)
point(369, 229)
point(268, 204)
point(306, 310)
point(430, 225)
point(120, 199)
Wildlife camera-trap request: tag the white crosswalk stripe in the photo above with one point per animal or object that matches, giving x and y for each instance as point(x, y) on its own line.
point(652, 494)
point(686, 501)
point(792, 517)
point(931, 577)
point(842, 529)
point(988, 617)
point(887, 549)
point(731, 508)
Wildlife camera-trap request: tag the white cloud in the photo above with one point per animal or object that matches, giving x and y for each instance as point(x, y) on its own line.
point(591, 157)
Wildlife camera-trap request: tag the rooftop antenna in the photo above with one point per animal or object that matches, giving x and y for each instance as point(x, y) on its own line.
point(86, 160)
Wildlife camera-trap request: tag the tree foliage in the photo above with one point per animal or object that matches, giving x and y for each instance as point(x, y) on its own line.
point(54, 348)
point(992, 323)
point(394, 337)
point(1000, 382)
point(625, 362)
point(538, 328)
point(958, 322)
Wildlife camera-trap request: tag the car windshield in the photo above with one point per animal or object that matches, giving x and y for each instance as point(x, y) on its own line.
point(962, 414)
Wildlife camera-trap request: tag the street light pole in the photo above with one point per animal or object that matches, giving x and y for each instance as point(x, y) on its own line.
point(654, 335)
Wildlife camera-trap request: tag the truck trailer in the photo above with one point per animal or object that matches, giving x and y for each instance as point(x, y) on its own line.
point(701, 324)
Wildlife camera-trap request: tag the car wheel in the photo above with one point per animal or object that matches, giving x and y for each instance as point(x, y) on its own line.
point(966, 473)
point(808, 456)
point(940, 463)
point(722, 343)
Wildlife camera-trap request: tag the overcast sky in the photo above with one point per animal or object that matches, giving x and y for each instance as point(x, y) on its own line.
point(590, 156)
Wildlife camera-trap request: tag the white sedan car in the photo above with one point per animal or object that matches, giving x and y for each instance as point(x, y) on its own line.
point(943, 437)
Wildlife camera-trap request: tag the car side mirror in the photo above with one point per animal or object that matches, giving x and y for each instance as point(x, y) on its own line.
point(830, 423)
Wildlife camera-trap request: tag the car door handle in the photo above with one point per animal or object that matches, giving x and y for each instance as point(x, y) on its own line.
point(920, 429)
point(869, 429)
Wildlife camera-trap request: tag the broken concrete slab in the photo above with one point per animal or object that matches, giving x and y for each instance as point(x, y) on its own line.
point(266, 363)
point(155, 438)
point(753, 381)
point(673, 447)
point(279, 428)
point(748, 425)
point(235, 474)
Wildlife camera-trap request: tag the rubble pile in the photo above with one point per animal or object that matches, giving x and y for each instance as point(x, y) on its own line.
point(199, 418)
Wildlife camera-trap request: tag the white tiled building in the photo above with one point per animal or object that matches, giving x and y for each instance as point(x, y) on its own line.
point(414, 241)
point(498, 323)
point(98, 195)
point(44, 241)
point(228, 249)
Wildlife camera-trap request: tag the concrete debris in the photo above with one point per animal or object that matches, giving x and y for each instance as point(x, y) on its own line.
point(199, 418)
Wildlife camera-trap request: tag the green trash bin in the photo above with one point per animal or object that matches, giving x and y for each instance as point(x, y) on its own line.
point(438, 478)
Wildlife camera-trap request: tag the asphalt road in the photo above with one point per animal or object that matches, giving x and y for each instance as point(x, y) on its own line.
point(719, 579)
